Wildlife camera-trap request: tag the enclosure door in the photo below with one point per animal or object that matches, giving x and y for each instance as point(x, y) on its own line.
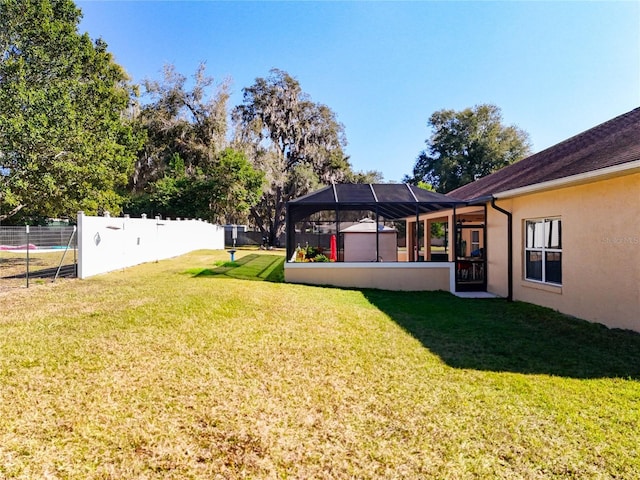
point(471, 258)
point(415, 244)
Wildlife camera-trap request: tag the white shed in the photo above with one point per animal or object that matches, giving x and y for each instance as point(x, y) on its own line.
point(360, 242)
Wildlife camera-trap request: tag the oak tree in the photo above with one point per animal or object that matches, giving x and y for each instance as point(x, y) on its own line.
point(179, 119)
point(466, 145)
point(65, 141)
point(186, 168)
point(297, 143)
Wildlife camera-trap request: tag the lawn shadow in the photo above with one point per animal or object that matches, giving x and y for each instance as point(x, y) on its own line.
point(496, 335)
point(38, 268)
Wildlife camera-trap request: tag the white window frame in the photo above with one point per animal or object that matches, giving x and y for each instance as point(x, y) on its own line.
point(544, 247)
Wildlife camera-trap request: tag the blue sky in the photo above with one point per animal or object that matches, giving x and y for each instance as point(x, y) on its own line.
point(554, 68)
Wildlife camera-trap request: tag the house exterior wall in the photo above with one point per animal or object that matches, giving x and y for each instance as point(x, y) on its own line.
point(600, 250)
point(497, 246)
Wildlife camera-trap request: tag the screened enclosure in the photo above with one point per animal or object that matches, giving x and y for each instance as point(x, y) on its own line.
point(361, 220)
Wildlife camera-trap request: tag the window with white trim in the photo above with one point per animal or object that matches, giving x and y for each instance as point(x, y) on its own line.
point(543, 251)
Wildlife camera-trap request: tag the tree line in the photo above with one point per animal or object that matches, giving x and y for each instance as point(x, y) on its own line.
point(77, 134)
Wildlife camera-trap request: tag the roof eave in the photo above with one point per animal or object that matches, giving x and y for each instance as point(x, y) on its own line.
point(572, 180)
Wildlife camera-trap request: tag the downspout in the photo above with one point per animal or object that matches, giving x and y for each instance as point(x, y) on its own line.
point(509, 247)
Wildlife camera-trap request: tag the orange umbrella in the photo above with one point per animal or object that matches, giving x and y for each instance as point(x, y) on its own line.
point(334, 250)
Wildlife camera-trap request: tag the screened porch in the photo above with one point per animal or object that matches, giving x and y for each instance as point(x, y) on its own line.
point(393, 236)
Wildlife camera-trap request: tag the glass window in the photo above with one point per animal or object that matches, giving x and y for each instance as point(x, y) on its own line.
point(553, 267)
point(543, 250)
point(553, 234)
point(534, 265)
point(535, 234)
point(475, 243)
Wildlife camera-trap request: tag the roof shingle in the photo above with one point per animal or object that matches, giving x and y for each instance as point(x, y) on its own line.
point(611, 143)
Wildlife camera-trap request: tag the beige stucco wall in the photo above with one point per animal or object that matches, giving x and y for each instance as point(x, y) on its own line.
point(387, 276)
point(600, 254)
point(497, 241)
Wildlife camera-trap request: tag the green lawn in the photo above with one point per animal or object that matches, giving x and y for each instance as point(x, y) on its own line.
point(193, 368)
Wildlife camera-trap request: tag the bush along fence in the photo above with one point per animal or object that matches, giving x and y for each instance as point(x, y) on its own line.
point(110, 243)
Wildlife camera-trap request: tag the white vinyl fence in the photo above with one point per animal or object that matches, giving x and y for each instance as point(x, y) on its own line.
point(110, 243)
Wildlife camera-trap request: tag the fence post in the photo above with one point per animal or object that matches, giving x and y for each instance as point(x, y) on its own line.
point(80, 267)
point(65, 253)
point(75, 255)
point(27, 226)
point(158, 238)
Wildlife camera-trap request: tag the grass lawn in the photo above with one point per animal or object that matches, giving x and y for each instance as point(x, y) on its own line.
point(193, 368)
point(42, 267)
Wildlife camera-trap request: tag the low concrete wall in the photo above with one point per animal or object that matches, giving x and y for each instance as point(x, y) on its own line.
point(418, 276)
point(108, 243)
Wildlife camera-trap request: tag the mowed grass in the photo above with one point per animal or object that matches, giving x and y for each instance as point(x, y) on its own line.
point(253, 266)
point(15, 264)
point(163, 371)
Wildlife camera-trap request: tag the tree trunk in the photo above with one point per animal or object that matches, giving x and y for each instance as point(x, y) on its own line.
point(277, 213)
point(11, 213)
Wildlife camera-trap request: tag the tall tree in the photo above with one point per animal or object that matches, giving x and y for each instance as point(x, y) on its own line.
point(467, 145)
point(186, 168)
point(223, 193)
point(190, 122)
point(65, 144)
point(370, 176)
point(296, 142)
